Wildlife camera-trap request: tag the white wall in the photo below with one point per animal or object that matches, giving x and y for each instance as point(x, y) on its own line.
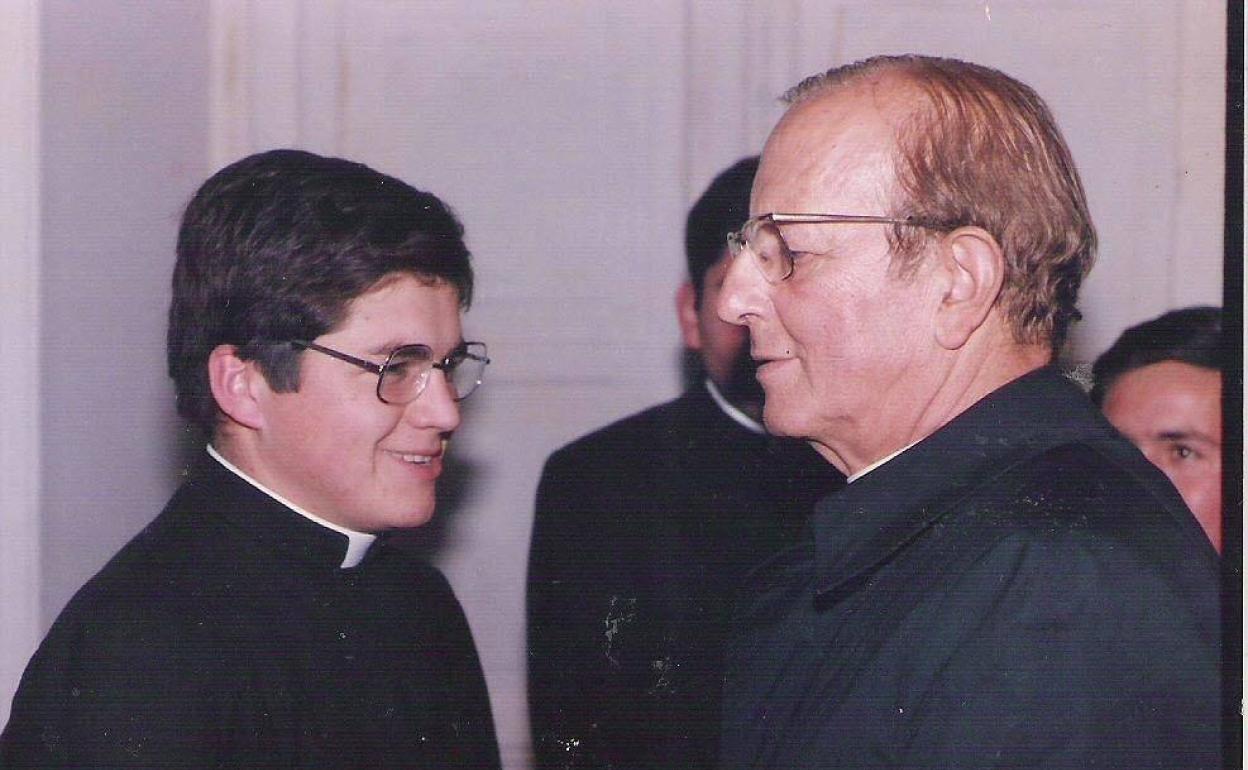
point(124, 133)
point(19, 343)
point(570, 137)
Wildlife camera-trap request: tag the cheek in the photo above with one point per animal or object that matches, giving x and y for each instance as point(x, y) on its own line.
point(354, 426)
point(805, 322)
point(1180, 475)
point(1201, 481)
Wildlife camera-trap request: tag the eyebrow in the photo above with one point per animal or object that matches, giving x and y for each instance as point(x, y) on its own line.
point(1187, 435)
point(386, 348)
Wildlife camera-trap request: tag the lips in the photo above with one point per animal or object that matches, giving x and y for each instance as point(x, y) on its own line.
point(767, 366)
point(416, 458)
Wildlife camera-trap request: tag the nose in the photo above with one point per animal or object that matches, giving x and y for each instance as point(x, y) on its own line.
point(436, 406)
point(740, 296)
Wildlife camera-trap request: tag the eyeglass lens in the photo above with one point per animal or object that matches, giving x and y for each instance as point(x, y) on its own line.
point(763, 240)
point(464, 369)
point(407, 372)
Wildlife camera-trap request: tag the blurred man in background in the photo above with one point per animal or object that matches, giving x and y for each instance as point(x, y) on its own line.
point(643, 531)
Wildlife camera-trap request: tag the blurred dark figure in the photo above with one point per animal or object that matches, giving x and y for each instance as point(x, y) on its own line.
point(644, 529)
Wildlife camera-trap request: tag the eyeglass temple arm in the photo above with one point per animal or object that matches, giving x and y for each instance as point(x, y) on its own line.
point(792, 218)
point(360, 362)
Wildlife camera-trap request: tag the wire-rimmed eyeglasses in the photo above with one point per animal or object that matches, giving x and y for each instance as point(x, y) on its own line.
point(761, 237)
point(405, 373)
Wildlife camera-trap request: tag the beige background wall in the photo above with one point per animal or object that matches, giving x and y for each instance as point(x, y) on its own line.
point(570, 137)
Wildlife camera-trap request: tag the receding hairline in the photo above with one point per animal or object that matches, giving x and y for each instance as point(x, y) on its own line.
point(896, 97)
point(870, 75)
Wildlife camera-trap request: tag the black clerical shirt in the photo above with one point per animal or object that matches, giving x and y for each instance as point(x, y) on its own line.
point(1020, 589)
point(226, 634)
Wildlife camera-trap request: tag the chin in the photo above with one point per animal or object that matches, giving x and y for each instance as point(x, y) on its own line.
point(416, 513)
point(412, 519)
point(778, 422)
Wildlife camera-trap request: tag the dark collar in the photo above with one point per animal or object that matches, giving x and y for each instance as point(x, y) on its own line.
point(701, 420)
point(210, 489)
point(865, 523)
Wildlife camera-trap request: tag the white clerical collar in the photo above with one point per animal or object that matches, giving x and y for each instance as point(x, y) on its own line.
point(735, 414)
point(358, 543)
point(877, 463)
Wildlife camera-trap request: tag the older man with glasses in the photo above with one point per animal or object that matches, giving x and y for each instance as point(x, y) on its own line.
point(1005, 581)
point(262, 620)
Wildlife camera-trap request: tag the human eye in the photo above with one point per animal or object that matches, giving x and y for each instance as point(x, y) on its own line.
point(804, 260)
point(456, 357)
point(399, 369)
point(1184, 452)
point(407, 361)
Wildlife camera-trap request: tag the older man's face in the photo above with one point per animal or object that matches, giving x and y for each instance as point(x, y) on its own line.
point(843, 341)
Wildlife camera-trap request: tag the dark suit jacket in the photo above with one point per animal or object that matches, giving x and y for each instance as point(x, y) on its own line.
point(642, 532)
point(226, 635)
point(1020, 589)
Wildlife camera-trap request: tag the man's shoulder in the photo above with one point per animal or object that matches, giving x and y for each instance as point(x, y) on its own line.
point(163, 562)
point(1099, 485)
point(1087, 522)
point(649, 430)
point(1038, 457)
point(171, 568)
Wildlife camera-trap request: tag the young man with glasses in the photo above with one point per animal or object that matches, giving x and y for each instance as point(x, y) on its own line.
point(642, 533)
point(262, 620)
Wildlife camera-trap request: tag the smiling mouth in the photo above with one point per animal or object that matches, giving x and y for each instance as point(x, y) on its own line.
point(414, 459)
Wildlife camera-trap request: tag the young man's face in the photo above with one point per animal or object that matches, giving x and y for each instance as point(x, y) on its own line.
point(333, 448)
point(1173, 412)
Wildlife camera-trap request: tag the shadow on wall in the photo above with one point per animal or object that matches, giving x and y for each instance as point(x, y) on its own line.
point(425, 542)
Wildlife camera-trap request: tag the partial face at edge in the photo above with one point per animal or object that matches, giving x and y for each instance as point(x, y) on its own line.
point(333, 448)
point(1173, 412)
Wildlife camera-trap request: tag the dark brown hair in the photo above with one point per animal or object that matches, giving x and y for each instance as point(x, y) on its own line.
point(274, 248)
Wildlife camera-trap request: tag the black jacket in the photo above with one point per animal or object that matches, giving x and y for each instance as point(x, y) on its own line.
point(1020, 589)
point(642, 532)
point(226, 635)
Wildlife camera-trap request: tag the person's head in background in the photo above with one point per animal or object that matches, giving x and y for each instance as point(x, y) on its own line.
point(289, 266)
point(1160, 384)
point(723, 348)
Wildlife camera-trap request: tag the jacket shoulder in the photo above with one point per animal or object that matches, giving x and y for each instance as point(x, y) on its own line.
point(650, 425)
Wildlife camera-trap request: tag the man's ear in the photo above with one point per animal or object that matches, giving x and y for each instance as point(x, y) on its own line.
point(236, 386)
point(687, 315)
point(972, 266)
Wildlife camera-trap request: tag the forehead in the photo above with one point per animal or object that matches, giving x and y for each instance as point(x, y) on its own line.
point(1167, 392)
point(833, 153)
point(404, 308)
